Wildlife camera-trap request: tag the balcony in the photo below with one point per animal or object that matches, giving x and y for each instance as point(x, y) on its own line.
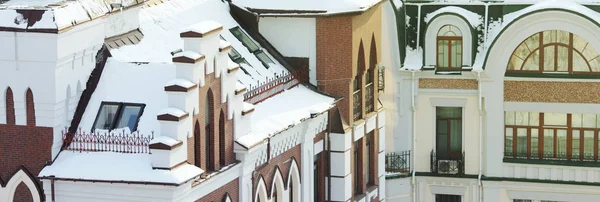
point(357, 111)
point(369, 96)
point(448, 164)
point(551, 158)
point(397, 162)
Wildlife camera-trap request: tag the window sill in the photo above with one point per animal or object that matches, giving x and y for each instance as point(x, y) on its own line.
point(565, 162)
point(359, 197)
point(371, 188)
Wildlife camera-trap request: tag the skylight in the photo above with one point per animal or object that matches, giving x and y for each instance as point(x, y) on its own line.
point(114, 115)
point(245, 39)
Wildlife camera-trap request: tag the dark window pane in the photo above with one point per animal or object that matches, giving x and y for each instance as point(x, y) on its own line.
point(106, 116)
point(243, 37)
point(234, 55)
point(447, 198)
point(129, 117)
point(264, 58)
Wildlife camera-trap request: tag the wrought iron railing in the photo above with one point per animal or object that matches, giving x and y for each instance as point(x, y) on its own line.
point(448, 164)
point(357, 112)
point(272, 86)
point(381, 80)
point(115, 141)
point(369, 96)
point(551, 156)
point(397, 162)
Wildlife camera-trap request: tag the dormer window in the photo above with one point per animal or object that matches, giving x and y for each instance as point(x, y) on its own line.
point(252, 47)
point(449, 48)
point(114, 115)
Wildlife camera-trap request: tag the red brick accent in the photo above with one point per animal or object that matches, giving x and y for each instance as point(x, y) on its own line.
point(212, 85)
point(24, 145)
point(22, 194)
point(281, 162)
point(334, 64)
point(10, 107)
point(30, 107)
point(230, 189)
point(321, 172)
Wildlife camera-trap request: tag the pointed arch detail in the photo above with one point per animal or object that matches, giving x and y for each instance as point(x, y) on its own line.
point(9, 106)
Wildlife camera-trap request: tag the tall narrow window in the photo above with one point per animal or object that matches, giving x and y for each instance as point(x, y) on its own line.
point(358, 84)
point(370, 77)
point(291, 189)
point(222, 138)
point(449, 133)
point(449, 48)
point(369, 165)
point(208, 131)
point(316, 178)
point(356, 172)
point(10, 107)
point(197, 153)
point(30, 107)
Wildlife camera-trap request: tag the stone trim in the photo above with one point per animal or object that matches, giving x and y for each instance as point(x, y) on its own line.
point(431, 83)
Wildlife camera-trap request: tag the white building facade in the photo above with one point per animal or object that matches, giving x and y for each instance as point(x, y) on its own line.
point(495, 102)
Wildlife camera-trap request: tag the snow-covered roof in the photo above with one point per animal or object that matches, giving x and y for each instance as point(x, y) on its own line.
point(473, 18)
point(162, 24)
point(112, 166)
point(132, 83)
point(311, 7)
point(54, 15)
point(287, 109)
point(165, 140)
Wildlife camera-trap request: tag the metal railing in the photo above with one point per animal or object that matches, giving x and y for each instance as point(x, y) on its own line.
point(114, 141)
point(369, 96)
point(381, 81)
point(357, 104)
point(272, 86)
point(448, 164)
point(397, 162)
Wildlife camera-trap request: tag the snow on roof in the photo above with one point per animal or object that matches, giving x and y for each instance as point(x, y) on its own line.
point(278, 113)
point(56, 14)
point(115, 166)
point(473, 18)
point(161, 25)
point(329, 6)
point(239, 86)
point(172, 111)
point(204, 27)
point(188, 54)
point(165, 140)
point(132, 83)
point(180, 82)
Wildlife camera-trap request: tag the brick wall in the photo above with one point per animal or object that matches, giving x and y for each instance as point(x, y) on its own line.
point(283, 162)
point(213, 85)
point(24, 145)
point(334, 61)
point(23, 194)
point(230, 189)
point(10, 107)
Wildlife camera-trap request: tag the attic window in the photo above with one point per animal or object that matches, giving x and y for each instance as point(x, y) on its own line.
point(262, 56)
point(114, 115)
point(245, 39)
point(235, 56)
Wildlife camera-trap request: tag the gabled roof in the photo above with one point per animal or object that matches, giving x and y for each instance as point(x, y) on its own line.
point(307, 7)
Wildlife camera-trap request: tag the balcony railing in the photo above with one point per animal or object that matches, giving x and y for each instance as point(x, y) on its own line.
point(357, 105)
point(397, 162)
point(448, 164)
point(115, 141)
point(551, 158)
point(381, 81)
point(369, 96)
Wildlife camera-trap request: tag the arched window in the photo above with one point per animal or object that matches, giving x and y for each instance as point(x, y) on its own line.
point(554, 51)
point(277, 186)
point(294, 182)
point(370, 77)
point(10, 107)
point(30, 108)
point(209, 131)
point(197, 159)
point(222, 138)
point(358, 84)
point(261, 191)
point(449, 48)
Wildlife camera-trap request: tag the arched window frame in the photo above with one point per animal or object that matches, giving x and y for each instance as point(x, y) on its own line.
point(9, 105)
point(222, 133)
point(448, 36)
point(357, 93)
point(541, 53)
point(30, 107)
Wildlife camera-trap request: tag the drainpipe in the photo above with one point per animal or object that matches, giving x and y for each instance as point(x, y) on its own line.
point(480, 86)
point(414, 134)
point(52, 187)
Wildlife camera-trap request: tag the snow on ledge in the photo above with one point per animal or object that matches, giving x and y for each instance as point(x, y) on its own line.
point(204, 27)
point(165, 140)
point(172, 111)
point(413, 60)
point(473, 18)
point(112, 166)
point(180, 82)
point(188, 54)
point(559, 4)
